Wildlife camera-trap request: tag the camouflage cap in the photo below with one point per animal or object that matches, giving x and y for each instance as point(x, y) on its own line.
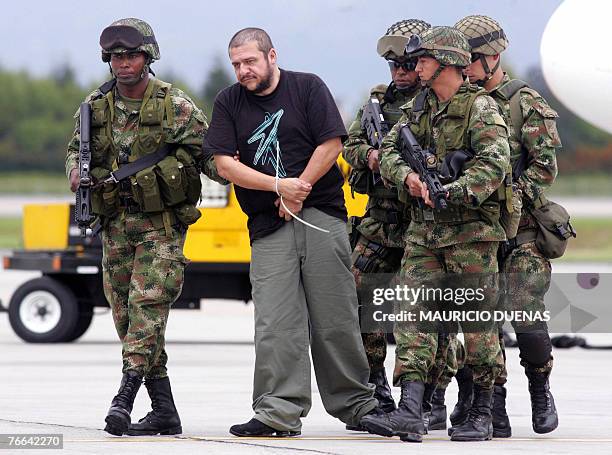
point(392, 44)
point(446, 44)
point(129, 35)
point(484, 34)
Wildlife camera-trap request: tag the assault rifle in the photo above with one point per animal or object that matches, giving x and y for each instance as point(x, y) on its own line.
point(424, 163)
point(82, 210)
point(373, 122)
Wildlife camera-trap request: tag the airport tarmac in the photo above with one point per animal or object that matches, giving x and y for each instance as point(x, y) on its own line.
point(66, 389)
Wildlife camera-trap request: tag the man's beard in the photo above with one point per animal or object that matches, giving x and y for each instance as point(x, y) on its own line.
point(265, 83)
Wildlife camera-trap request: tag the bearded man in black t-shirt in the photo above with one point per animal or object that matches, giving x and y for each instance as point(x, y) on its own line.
point(288, 134)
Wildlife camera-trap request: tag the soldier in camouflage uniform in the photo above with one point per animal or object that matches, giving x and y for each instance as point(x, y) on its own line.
point(533, 141)
point(143, 217)
point(379, 245)
point(447, 116)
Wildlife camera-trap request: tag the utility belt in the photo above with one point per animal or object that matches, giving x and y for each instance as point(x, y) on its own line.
point(449, 216)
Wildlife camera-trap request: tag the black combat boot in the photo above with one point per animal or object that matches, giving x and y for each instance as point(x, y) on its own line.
point(427, 397)
point(406, 421)
point(163, 419)
point(437, 417)
point(478, 426)
point(382, 393)
point(464, 397)
point(118, 418)
point(255, 428)
point(543, 411)
point(501, 423)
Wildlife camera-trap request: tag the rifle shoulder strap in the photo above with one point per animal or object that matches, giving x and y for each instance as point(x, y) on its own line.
point(142, 163)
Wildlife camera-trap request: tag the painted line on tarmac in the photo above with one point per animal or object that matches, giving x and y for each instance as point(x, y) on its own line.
point(312, 438)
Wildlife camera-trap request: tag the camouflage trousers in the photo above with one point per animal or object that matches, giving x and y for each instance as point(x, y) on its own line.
point(372, 258)
point(471, 264)
point(143, 271)
point(527, 275)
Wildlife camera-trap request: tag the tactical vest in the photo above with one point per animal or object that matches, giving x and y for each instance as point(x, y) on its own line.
point(173, 182)
point(453, 136)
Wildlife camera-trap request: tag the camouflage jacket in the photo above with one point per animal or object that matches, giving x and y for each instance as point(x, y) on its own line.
point(538, 136)
point(442, 128)
point(355, 153)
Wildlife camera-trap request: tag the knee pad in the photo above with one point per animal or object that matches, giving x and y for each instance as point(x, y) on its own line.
point(535, 347)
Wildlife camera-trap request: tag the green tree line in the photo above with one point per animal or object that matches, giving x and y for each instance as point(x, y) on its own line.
point(36, 119)
point(37, 114)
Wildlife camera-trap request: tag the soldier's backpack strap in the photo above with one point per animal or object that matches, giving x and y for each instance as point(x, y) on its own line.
point(512, 92)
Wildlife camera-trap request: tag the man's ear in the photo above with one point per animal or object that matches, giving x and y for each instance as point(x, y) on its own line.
point(272, 56)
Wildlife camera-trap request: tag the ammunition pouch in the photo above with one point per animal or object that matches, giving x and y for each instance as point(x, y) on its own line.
point(146, 191)
point(192, 185)
point(187, 213)
point(554, 225)
point(104, 198)
point(170, 181)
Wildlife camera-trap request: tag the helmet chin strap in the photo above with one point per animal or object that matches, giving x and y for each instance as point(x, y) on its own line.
point(488, 71)
point(435, 75)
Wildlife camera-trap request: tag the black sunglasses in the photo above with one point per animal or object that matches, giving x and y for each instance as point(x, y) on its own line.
point(410, 65)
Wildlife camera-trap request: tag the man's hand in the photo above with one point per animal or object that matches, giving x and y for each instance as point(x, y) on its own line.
point(295, 208)
point(427, 199)
point(75, 179)
point(294, 189)
point(373, 162)
point(414, 185)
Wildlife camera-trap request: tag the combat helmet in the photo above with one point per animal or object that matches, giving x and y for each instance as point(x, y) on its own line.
point(445, 44)
point(486, 37)
point(392, 44)
point(129, 35)
point(484, 34)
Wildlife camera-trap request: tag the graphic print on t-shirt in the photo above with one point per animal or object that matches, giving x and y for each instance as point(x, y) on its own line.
point(269, 146)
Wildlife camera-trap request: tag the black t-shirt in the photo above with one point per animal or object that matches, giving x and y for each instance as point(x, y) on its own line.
point(291, 121)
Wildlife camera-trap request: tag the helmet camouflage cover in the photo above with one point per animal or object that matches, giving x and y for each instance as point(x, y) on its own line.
point(484, 34)
point(392, 44)
point(446, 44)
point(129, 35)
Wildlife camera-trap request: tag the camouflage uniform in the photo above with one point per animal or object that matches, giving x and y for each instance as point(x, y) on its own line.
point(433, 247)
point(143, 227)
point(533, 139)
point(380, 247)
point(143, 262)
point(526, 269)
point(456, 245)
